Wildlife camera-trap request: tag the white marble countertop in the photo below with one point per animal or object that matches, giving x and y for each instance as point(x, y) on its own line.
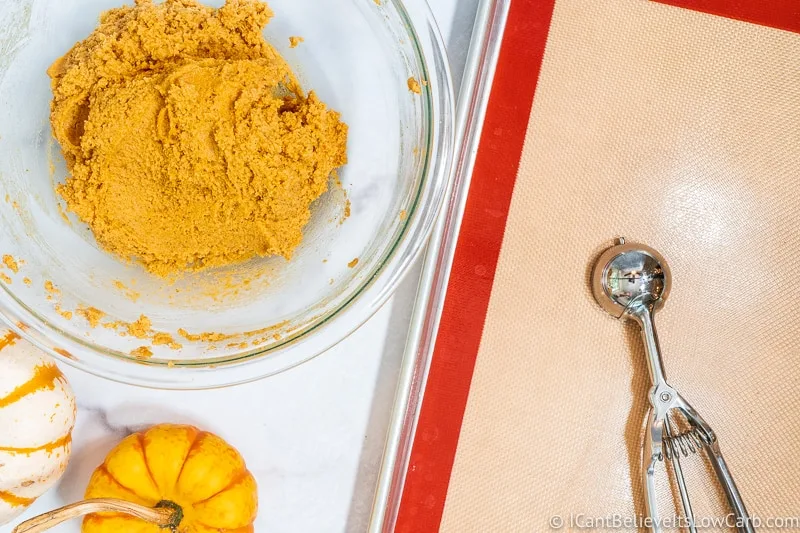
point(313, 436)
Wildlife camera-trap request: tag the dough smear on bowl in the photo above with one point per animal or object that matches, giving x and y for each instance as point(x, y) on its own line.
point(189, 142)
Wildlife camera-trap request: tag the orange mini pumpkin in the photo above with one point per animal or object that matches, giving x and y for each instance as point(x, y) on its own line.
point(178, 467)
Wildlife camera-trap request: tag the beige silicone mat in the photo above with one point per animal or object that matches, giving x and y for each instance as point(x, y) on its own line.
point(680, 130)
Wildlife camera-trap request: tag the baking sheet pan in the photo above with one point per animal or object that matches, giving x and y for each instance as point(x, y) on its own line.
point(478, 75)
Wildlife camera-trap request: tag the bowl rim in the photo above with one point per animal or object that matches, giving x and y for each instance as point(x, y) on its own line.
point(360, 305)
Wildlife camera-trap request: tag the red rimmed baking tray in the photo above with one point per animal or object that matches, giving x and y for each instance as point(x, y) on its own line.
point(673, 123)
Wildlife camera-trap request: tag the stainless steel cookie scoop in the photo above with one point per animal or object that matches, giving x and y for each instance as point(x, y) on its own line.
point(632, 281)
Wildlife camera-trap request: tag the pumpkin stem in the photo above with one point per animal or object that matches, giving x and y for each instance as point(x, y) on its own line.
point(165, 514)
point(177, 513)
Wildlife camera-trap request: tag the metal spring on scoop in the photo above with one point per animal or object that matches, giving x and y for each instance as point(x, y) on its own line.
point(686, 443)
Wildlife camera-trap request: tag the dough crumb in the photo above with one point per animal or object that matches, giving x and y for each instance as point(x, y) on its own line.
point(5, 278)
point(165, 339)
point(210, 337)
point(203, 337)
point(27, 281)
point(130, 294)
point(66, 314)
point(353, 263)
point(11, 263)
point(91, 314)
point(294, 41)
point(413, 85)
point(142, 352)
point(52, 289)
point(140, 328)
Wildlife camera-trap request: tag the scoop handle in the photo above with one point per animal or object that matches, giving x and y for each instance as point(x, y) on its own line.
point(643, 314)
point(743, 522)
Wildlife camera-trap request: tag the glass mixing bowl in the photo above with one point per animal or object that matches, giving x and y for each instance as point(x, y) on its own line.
point(248, 321)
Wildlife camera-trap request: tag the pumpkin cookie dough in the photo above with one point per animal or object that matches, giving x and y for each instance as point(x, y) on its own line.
point(189, 142)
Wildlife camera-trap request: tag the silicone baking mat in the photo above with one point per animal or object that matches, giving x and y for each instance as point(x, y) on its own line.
point(675, 124)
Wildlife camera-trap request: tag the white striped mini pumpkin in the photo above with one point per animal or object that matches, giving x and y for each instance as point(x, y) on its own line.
point(37, 414)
